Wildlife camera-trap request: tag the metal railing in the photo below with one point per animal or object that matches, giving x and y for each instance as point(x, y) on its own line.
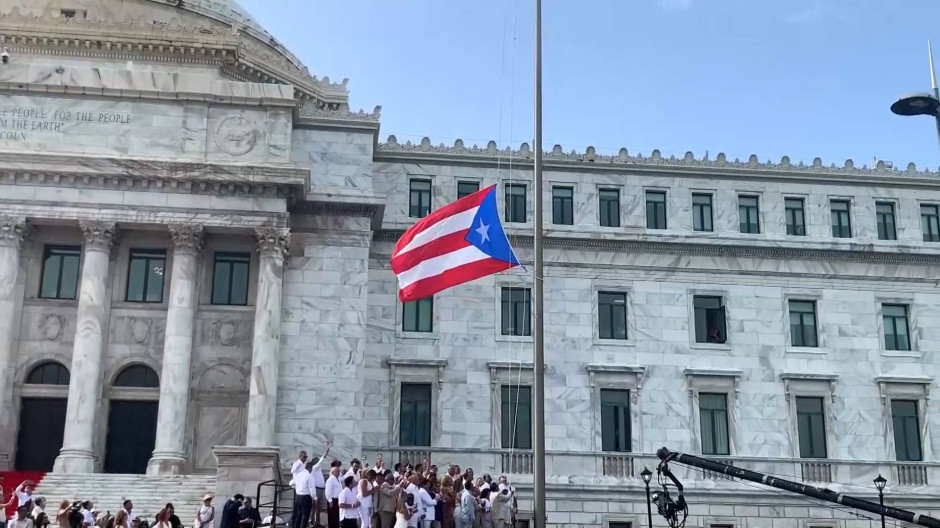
point(280, 505)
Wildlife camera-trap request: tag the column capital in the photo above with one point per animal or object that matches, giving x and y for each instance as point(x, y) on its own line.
point(187, 237)
point(12, 230)
point(98, 234)
point(272, 241)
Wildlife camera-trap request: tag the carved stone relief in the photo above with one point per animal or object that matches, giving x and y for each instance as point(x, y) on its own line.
point(50, 326)
point(237, 135)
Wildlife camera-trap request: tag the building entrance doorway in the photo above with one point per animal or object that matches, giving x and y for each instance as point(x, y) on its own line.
point(43, 401)
point(132, 420)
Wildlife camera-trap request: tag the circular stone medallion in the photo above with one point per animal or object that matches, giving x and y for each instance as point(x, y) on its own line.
point(236, 135)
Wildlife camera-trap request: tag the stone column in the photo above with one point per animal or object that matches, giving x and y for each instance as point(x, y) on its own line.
point(262, 394)
point(12, 233)
point(169, 454)
point(91, 326)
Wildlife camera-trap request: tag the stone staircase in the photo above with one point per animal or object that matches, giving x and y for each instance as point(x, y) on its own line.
point(149, 494)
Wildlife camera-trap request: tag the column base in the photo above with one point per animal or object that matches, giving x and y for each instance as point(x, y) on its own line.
point(166, 463)
point(74, 461)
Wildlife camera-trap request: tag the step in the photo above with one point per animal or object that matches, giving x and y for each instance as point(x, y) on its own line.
point(149, 493)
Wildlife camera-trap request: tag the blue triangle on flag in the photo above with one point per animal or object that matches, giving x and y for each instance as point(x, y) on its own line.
point(486, 232)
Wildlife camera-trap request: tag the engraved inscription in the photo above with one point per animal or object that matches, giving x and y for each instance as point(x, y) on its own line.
point(18, 123)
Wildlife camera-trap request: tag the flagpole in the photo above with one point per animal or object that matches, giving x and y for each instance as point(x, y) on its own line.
point(538, 352)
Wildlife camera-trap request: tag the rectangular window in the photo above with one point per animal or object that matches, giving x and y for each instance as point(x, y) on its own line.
point(612, 315)
point(884, 217)
point(795, 216)
point(418, 316)
point(516, 417)
point(145, 275)
point(930, 223)
point(419, 202)
point(749, 214)
point(713, 414)
point(906, 430)
point(466, 188)
point(230, 279)
point(702, 212)
point(803, 324)
point(60, 266)
point(515, 203)
point(415, 415)
point(615, 420)
point(811, 427)
point(609, 206)
point(562, 205)
point(897, 331)
point(709, 319)
point(516, 311)
point(655, 210)
point(841, 218)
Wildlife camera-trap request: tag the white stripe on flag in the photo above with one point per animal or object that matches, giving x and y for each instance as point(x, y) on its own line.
point(437, 265)
point(451, 224)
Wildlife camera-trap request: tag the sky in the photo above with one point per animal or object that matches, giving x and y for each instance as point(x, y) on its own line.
point(801, 78)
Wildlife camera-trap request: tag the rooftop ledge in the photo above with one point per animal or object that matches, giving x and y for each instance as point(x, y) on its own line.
point(492, 153)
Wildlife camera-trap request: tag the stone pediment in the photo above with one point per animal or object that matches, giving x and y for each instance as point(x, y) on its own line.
point(160, 30)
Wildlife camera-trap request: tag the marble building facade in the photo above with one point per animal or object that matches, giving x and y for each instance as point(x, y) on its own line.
point(195, 244)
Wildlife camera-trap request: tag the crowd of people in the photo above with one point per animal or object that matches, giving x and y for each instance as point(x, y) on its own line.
point(406, 496)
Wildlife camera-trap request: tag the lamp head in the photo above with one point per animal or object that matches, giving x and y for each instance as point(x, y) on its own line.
point(646, 475)
point(880, 482)
point(916, 104)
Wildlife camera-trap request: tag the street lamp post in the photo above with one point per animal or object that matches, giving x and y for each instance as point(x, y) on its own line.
point(922, 103)
point(646, 475)
point(880, 483)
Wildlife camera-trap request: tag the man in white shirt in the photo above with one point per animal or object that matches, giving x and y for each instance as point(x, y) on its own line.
point(354, 467)
point(348, 504)
point(301, 483)
point(24, 493)
point(331, 493)
point(88, 518)
point(319, 486)
point(295, 469)
point(129, 510)
point(426, 501)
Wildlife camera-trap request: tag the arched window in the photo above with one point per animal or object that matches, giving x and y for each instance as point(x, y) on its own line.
point(48, 373)
point(137, 376)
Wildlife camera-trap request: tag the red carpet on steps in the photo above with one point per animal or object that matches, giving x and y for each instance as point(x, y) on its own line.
point(12, 479)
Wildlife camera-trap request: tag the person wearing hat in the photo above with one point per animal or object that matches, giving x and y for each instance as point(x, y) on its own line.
point(206, 514)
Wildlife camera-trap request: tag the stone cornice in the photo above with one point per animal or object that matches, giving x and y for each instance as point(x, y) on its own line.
point(687, 166)
point(17, 168)
point(755, 250)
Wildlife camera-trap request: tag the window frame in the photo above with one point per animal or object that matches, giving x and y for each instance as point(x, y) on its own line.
point(757, 212)
point(713, 419)
point(907, 327)
point(475, 183)
point(932, 233)
point(815, 315)
point(894, 221)
point(149, 259)
point(417, 371)
point(713, 381)
point(723, 308)
point(623, 377)
point(418, 304)
point(655, 212)
point(912, 388)
point(813, 455)
point(401, 412)
point(601, 208)
point(76, 250)
point(415, 209)
point(811, 385)
point(791, 228)
point(527, 306)
point(563, 206)
point(514, 390)
point(917, 428)
point(843, 227)
point(510, 212)
point(627, 334)
point(700, 214)
point(624, 415)
point(231, 255)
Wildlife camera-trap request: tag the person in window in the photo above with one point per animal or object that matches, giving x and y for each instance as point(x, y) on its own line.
point(248, 515)
point(171, 516)
point(714, 336)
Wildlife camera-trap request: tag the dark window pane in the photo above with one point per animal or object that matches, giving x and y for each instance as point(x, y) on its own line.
point(50, 277)
point(612, 315)
point(713, 410)
point(230, 279)
point(710, 325)
point(415, 414)
point(897, 332)
point(930, 223)
point(516, 417)
point(145, 276)
point(48, 373)
point(749, 214)
point(418, 315)
point(466, 188)
point(220, 284)
point(803, 323)
point(655, 210)
point(609, 205)
point(702, 212)
point(811, 427)
point(137, 376)
point(615, 420)
point(563, 206)
point(60, 272)
point(419, 204)
point(884, 215)
point(516, 311)
point(907, 444)
point(841, 218)
point(795, 217)
point(516, 203)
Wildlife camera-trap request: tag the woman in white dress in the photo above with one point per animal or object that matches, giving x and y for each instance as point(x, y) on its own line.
point(402, 512)
point(206, 513)
point(365, 497)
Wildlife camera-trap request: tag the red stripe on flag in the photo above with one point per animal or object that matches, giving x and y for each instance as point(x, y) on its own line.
point(452, 277)
point(467, 202)
point(435, 248)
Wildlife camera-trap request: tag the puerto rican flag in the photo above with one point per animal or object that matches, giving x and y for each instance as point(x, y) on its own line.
point(458, 243)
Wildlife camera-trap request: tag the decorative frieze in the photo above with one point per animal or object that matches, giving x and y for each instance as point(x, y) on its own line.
point(187, 237)
point(273, 242)
point(12, 230)
point(98, 235)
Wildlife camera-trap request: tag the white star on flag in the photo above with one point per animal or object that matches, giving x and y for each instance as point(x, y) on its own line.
point(484, 231)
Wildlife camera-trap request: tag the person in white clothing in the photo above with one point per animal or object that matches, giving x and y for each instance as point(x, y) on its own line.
point(129, 508)
point(364, 495)
point(205, 515)
point(88, 518)
point(333, 488)
point(426, 500)
point(348, 504)
point(302, 482)
point(355, 467)
point(295, 470)
point(24, 493)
